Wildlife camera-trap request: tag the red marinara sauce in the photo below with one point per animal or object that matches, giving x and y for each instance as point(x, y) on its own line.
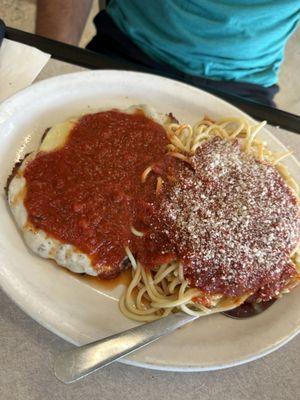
point(231, 220)
point(89, 193)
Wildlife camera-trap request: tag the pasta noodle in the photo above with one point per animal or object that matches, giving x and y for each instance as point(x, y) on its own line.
point(153, 294)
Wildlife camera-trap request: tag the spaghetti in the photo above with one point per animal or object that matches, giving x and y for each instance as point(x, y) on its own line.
point(206, 215)
point(155, 292)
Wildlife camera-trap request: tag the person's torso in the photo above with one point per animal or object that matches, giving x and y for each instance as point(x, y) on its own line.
point(240, 40)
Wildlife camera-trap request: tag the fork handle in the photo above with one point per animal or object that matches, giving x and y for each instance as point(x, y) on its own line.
point(81, 361)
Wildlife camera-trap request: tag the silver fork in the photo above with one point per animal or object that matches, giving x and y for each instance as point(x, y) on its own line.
point(74, 364)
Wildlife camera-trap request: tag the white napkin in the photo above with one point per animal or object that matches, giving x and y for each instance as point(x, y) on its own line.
point(19, 66)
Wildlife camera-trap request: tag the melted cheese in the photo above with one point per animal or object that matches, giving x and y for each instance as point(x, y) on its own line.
point(57, 136)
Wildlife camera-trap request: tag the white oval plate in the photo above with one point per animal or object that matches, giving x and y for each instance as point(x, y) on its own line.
point(73, 308)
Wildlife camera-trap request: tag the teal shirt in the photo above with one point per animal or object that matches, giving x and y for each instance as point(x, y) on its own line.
point(232, 40)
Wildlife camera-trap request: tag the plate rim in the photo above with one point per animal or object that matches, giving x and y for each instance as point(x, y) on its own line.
point(33, 312)
point(174, 368)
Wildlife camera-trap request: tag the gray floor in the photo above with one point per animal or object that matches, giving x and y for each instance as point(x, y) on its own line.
point(21, 14)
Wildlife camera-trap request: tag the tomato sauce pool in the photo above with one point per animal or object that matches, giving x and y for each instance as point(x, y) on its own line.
point(89, 193)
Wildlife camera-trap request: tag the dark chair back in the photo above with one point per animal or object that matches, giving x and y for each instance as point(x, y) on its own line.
point(103, 4)
point(2, 31)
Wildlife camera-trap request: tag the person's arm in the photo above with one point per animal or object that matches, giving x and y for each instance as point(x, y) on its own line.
point(62, 20)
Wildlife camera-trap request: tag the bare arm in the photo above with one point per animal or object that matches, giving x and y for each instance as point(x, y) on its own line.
point(62, 20)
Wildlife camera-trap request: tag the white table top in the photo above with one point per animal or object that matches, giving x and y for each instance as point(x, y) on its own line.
point(27, 352)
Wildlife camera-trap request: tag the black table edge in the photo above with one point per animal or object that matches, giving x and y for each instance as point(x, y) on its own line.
point(88, 59)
